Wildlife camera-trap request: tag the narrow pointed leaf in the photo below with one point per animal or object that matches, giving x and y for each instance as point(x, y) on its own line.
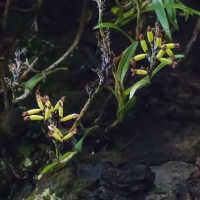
point(48, 167)
point(125, 61)
point(111, 25)
point(78, 146)
point(160, 12)
point(131, 90)
point(131, 102)
point(65, 155)
point(119, 12)
point(171, 13)
point(30, 84)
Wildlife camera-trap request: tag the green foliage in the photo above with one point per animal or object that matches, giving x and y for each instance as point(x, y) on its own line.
point(48, 167)
point(63, 158)
point(130, 104)
point(160, 12)
point(161, 7)
point(111, 25)
point(123, 104)
point(79, 144)
point(171, 12)
point(30, 84)
point(145, 81)
point(125, 62)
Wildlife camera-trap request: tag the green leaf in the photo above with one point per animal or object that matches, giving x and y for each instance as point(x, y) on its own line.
point(111, 25)
point(119, 12)
point(131, 102)
point(171, 13)
point(48, 167)
point(131, 90)
point(182, 7)
point(78, 146)
point(30, 84)
point(160, 12)
point(65, 156)
point(125, 61)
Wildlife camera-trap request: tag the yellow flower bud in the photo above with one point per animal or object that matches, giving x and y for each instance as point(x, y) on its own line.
point(57, 105)
point(40, 104)
point(68, 117)
point(168, 62)
point(47, 112)
point(161, 52)
point(158, 40)
point(58, 132)
point(55, 135)
point(39, 100)
point(54, 129)
point(172, 45)
point(33, 117)
point(169, 52)
point(30, 112)
point(143, 43)
point(139, 57)
point(149, 34)
point(141, 72)
point(69, 135)
point(45, 99)
point(60, 109)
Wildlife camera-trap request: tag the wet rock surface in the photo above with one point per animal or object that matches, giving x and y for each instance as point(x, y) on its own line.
point(150, 156)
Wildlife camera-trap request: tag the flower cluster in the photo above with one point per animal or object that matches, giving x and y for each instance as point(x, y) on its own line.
point(52, 116)
point(156, 51)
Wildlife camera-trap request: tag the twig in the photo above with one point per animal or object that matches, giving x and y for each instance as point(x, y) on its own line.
point(191, 42)
point(23, 96)
point(30, 68)
point(85, 108)
point(6, 14)
point(76, 40)
point(4, 88)
point(18, 9)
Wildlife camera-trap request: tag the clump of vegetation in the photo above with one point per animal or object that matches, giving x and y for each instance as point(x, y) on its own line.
point(52, 117)
point(156, 51)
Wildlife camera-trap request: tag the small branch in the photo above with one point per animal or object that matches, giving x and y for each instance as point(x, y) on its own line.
point(18, 9)
point(4, 88)
point(192, 40)
point(30, 68)
point(6, 14)
point(23, 96)
point(76, 40)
